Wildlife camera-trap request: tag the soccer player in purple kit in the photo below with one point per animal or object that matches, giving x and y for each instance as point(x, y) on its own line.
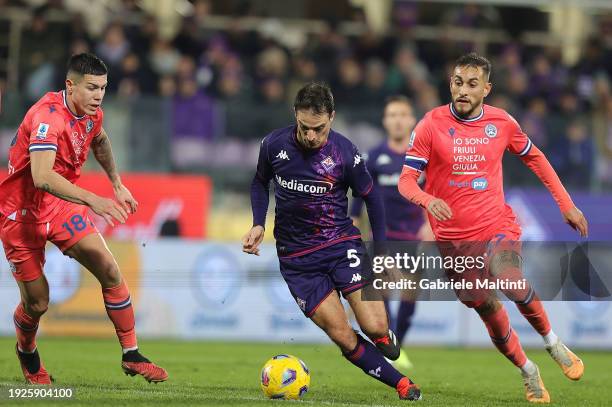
point(405, 221)
point(312, 168)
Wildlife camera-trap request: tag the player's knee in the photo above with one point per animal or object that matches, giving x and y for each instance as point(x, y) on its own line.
point(344, 337)
point(376, 329)
point(109, 274)
point(488, 307)
point(37, 307)
point(504, 261)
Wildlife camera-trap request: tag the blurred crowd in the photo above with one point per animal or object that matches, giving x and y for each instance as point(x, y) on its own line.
point(237, 84)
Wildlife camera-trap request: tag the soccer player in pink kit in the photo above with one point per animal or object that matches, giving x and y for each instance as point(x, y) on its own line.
point(460, 146)
point(39, 202)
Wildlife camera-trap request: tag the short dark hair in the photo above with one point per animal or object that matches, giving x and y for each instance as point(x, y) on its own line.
point(475, 60)
point(398, 99)
point(86, 64)
point(315, 96)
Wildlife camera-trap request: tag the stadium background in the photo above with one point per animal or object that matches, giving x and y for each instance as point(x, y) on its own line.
point(195, 85)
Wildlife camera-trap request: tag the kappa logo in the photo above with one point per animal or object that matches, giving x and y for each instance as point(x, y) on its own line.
point(283, 155)
point(356, 160)
point(43, 129)
point(356, 278)
point(375, 373)
point(328, 163)
point(301, 303)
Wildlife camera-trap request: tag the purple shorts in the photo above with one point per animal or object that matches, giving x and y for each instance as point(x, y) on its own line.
point(311, 278)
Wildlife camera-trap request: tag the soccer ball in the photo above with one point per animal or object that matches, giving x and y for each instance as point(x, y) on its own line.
point(285, 377)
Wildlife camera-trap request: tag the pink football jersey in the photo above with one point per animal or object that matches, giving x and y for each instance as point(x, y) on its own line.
point(462, 160)
point(48, 125)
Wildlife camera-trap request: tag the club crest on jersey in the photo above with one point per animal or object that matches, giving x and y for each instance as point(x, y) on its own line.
point(301, 303)
point(451, 132)
point(490, 130)
point(328, 163)
point(89, 126)
point(43, 129)
point(12, 267)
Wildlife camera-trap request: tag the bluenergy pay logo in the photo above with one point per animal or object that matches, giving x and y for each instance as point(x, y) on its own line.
point(479, 184)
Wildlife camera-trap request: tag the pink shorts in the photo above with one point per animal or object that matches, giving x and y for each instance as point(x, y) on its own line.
point(24, 243)
point(506, 237)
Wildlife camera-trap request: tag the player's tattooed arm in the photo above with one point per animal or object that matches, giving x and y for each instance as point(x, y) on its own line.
point(101, 147)
point(47, 188)
point(46, 179)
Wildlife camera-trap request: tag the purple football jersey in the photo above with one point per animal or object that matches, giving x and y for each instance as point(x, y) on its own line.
point(404, 219)
point(310, 187)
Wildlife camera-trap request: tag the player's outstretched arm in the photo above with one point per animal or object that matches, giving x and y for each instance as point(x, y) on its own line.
point(539, 165)
point(45, 178)
point(355, 212)
point(376, 214)
point(101, 147)
point(260, 197)
point(409, 188)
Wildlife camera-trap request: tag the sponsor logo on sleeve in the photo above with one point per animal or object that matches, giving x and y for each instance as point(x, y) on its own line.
point(41, 133)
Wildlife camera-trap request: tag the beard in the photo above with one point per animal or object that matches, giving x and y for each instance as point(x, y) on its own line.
point(464, 114)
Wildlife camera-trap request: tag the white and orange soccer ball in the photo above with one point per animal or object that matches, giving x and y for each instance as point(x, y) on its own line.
point(285, 377)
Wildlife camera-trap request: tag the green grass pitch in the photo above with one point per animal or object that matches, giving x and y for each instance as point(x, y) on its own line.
point(215, 374)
